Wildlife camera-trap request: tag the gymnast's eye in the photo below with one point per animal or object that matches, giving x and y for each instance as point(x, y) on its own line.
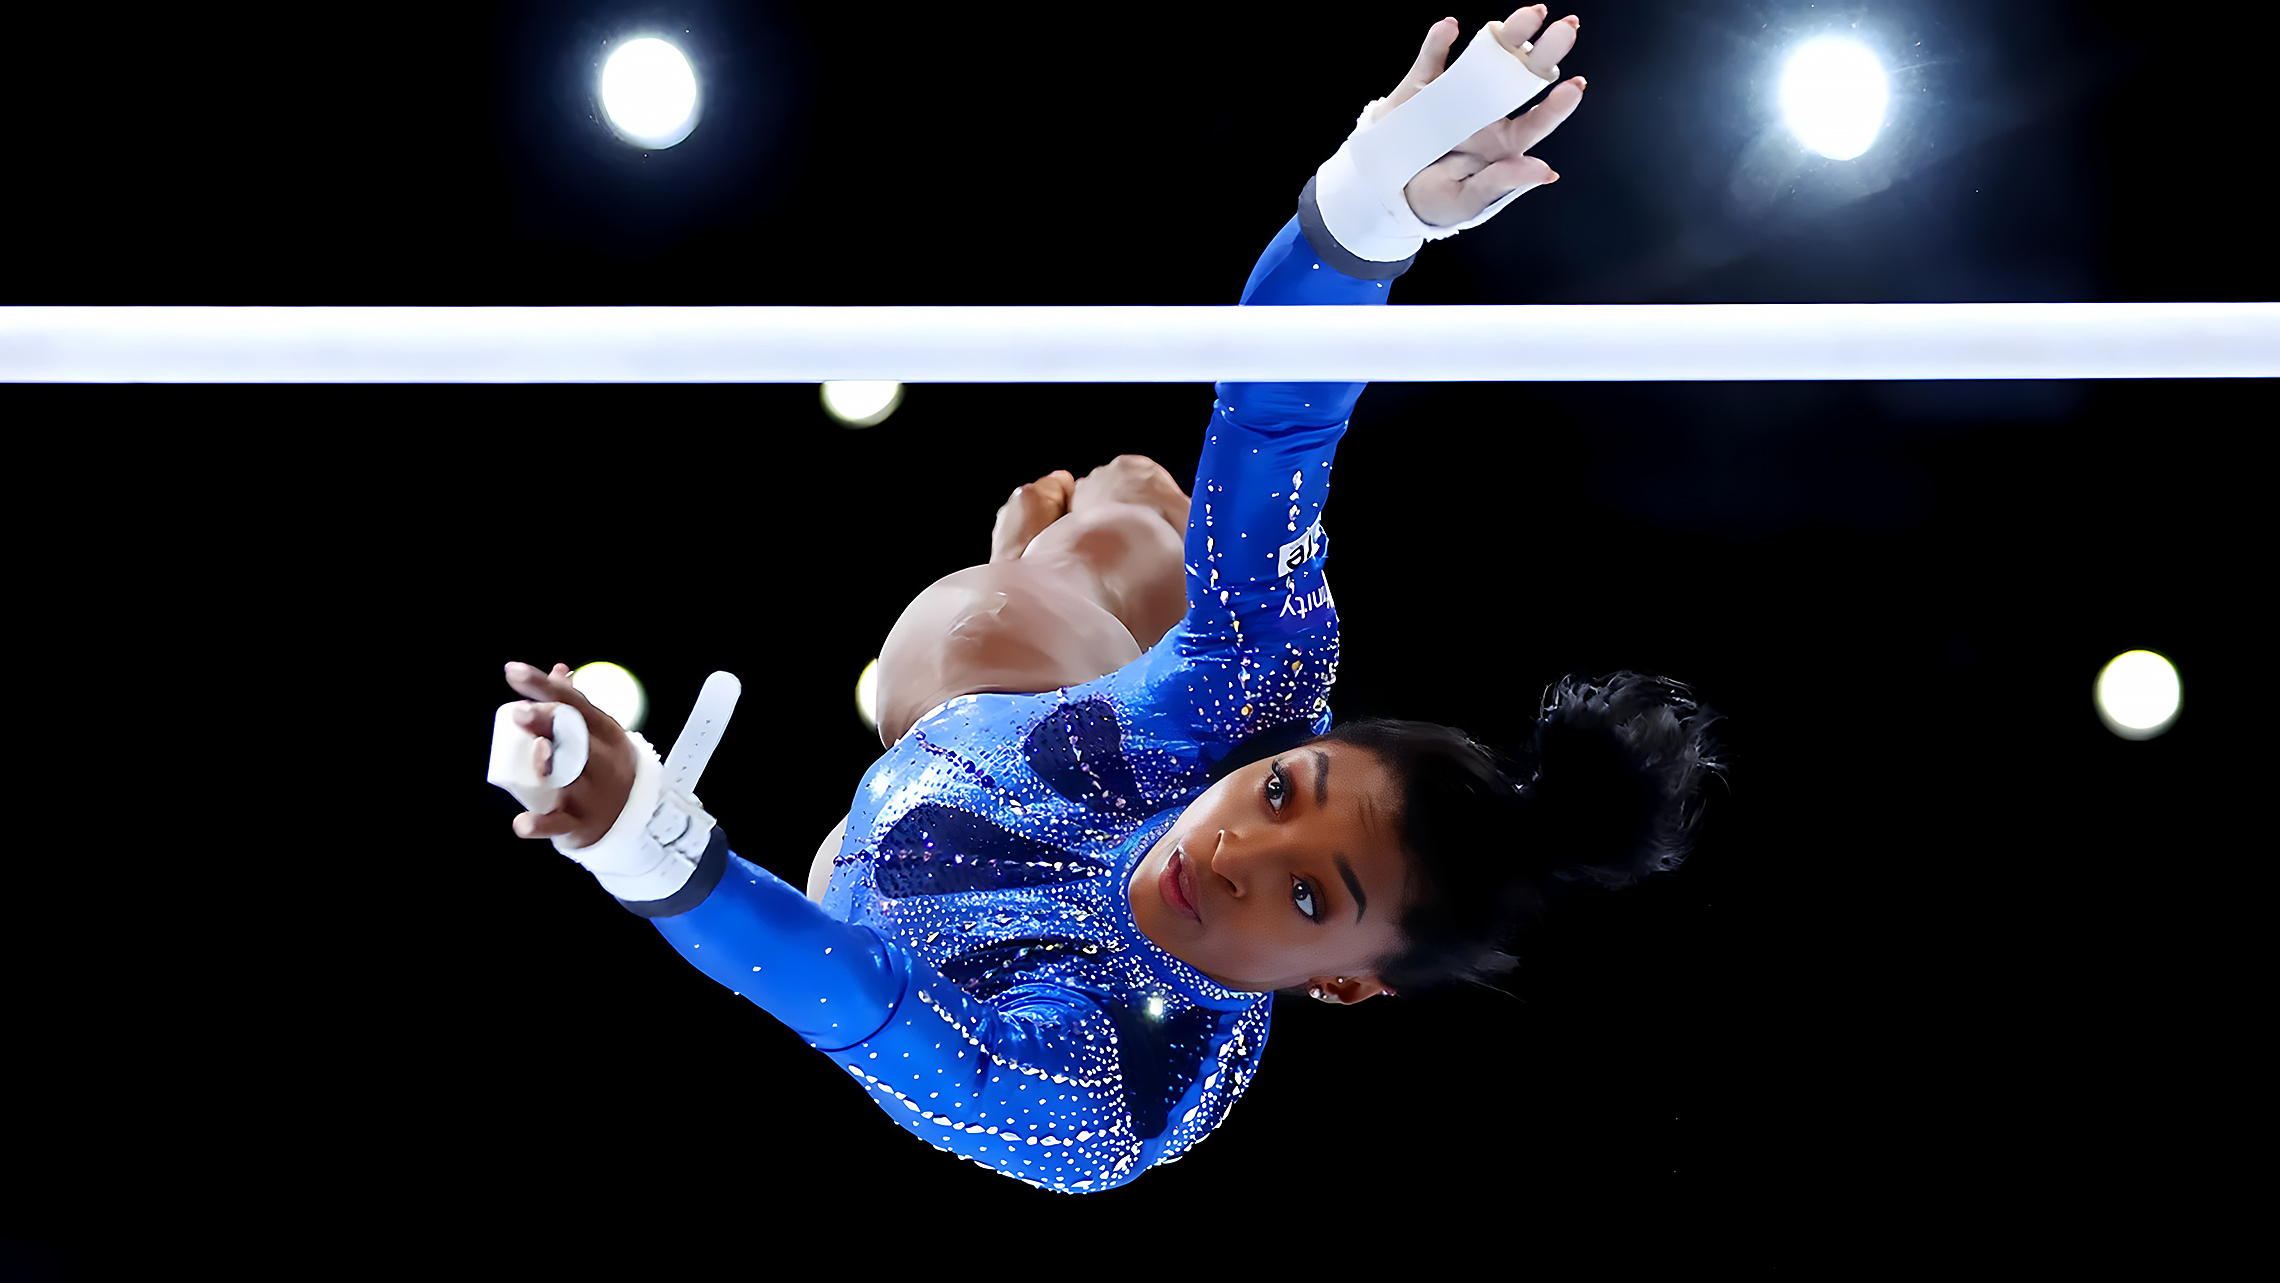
point(1274, 788)
point(1306, 893)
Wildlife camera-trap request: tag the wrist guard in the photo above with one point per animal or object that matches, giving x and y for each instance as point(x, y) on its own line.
point(1359, 190)
point(657, 841)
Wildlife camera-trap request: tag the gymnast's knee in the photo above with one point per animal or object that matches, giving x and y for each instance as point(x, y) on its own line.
point(1119, 541)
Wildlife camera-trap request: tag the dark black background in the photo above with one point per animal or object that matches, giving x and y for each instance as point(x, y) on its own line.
point(1952, 969)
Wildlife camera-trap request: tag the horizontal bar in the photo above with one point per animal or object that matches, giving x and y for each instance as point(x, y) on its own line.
point(1315, 344)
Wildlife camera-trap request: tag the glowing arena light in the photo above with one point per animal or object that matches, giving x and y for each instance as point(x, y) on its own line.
point(1314, 344)
point(649, 93)
point(1833, 96)
point(614, 691)
point(861, 403)
point(867, 695)
point(2138, 695)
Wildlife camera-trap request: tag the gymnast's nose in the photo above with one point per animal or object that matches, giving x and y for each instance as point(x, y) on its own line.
point(1233, 863)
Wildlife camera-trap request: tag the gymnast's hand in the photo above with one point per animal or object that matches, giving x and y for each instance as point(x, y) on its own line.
point(584, 811)
point(1493, 162)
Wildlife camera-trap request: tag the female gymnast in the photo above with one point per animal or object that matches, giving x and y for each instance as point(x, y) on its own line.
point(1113, 818)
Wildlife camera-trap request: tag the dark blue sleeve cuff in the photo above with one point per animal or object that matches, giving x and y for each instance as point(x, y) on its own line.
point(700, 884)
point(1327, 248)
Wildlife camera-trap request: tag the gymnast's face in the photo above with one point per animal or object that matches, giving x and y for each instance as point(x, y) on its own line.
point(1296, 871)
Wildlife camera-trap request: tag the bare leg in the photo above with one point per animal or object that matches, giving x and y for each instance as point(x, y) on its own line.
point(1024, 516)
point(1066, 597)
point(1124, 558)
point(1082, 576)
point(1123, 537)
point(1134, 478)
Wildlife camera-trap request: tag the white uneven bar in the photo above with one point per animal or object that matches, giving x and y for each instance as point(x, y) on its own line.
point(1315, 344)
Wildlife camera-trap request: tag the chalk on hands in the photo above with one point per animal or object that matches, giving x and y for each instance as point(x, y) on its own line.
point(515, 756)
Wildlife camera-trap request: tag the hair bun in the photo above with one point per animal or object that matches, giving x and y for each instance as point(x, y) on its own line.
point(1611, 769)
point(1603, 791)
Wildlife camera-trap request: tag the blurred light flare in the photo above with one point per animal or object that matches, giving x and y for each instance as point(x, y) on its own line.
point(1834, 95)
point(613, 690)
point(867, 695)
point(649, 92)
point(1832, 120)
point(2138, 694)
point(861, 403)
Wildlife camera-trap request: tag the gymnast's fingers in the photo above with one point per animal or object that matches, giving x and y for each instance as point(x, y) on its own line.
point(1557, 42)
point(1521, 25)
point(553, 824)
point(1501, 179)
point(535, 717)
point(1534, 125)
point(549, 689)
point(1432, 55)
point(1432, 60)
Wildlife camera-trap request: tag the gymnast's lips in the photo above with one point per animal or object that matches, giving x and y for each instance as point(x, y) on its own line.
point(1176, 889)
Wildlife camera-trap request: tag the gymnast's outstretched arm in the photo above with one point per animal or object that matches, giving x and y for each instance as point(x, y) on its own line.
point(1257, 651)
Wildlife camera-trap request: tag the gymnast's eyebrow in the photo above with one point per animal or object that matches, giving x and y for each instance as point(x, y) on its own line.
point(1353, 884)
point(1345, 870)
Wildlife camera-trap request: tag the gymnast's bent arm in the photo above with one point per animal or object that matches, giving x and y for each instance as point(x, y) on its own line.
point(967, 1077)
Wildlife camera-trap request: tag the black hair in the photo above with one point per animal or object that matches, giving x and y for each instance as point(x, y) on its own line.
point(1606, 792)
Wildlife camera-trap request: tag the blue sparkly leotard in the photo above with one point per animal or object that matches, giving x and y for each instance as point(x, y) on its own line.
point(975, 965)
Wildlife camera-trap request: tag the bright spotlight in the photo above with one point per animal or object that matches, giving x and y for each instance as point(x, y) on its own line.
point(867, 695)
point(2137, 695)
point(1833, 95)
point(861, 403)
point(614, 691)
point(649, 93)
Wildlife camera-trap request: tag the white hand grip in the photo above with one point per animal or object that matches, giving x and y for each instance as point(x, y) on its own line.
point(701, 734)
point(1360, 190)
point(514, 757)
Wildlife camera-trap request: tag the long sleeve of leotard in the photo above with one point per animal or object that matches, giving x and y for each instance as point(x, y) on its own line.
point(1025, 1084)
point(1258, 647)
point(1043, 1081)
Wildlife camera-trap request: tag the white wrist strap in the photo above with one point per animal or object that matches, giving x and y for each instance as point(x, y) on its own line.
point(657, 841)
point(660, 836)
point(1359, 190)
